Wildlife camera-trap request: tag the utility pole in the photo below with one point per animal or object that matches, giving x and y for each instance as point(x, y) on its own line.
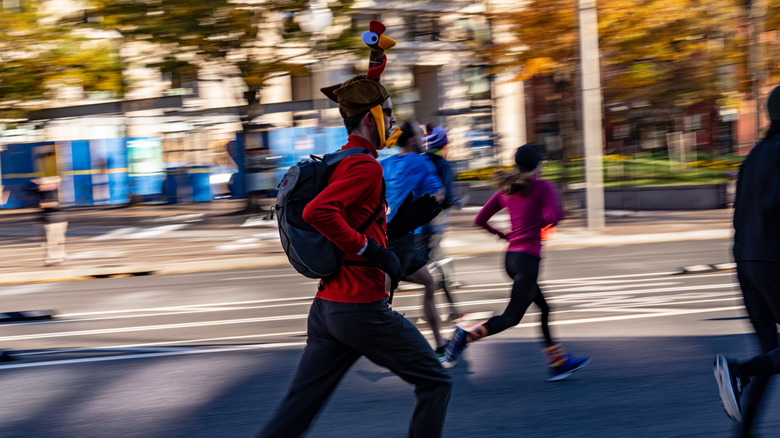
point(757, 56)
point(591, 113)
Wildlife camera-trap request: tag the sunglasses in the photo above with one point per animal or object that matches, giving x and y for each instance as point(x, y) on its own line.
point(388, 111)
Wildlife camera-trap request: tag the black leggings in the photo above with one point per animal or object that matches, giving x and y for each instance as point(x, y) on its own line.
point(524, 270)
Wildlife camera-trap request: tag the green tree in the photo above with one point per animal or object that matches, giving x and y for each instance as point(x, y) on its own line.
point(247, 38)
point(39, 55)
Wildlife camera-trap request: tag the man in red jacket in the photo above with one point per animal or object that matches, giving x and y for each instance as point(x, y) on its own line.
point(350, 316)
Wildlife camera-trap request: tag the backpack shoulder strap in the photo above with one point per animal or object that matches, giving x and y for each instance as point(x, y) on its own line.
point(335, 157)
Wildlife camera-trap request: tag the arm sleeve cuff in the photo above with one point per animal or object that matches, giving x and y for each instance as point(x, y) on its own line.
point(363, 249)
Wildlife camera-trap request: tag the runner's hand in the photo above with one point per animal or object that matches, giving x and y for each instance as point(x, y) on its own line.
point(411, 214)
point(385, 260)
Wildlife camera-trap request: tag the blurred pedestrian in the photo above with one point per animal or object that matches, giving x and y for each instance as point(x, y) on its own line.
point(350, 316)
point(411, 174)
point(756, 251)
point(533, 203)
point(55, 223)
point(436, 149)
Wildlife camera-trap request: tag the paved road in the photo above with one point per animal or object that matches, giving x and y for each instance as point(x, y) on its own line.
point(218, 235)
point(211, 354)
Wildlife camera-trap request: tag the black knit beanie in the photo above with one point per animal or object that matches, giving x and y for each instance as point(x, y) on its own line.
point(773, 104)
point(527, 158)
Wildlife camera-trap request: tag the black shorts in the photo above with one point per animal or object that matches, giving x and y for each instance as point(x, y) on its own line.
point(412, 252)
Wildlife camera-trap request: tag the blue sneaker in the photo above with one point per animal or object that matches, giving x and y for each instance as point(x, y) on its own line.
point(571, 365)
point(455, 345)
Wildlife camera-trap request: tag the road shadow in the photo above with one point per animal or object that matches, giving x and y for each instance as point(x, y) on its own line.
point(635, 386)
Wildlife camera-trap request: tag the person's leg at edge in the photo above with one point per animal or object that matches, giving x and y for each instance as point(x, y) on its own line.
point(560, 363)
point(524, 269)
point(758, 282)
point(324, 362)
point(544, 310)
point(388, 339)
point(49, 230)
point(423, 277)
point(446, 269)
point(57, 246)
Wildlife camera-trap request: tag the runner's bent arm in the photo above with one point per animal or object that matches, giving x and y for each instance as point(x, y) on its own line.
point(490, 208)
point(357, 184)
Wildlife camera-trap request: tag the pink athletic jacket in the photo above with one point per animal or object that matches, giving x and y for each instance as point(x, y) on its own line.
point(528, 214)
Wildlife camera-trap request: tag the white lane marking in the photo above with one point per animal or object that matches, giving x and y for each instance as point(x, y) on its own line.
point(606, 277)
point(153, 327)
point(184, 308)
point(138, 233)
point(238, 246)
point(129, 348)
point(23, 289)
point(595, 287)
point(180, 312)
point(159, 346)
point(639, 316)
point(98, 254)
point(627, 300)
point(584, 300)
point(554, 294)
point(590, 295)
point(577, 298)
point(260, 277)
point(118, 232)
point(152, 355)
point(192, 217)
point(303, 343)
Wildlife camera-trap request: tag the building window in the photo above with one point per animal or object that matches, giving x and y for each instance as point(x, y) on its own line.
point(11, 5)
point(422, 28)
point(478, 82)
point(182, 82)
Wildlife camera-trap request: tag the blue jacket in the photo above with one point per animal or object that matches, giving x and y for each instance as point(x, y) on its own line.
point(408, 173)
point(451, 198)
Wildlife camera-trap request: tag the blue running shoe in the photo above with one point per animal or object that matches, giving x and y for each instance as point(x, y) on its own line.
point(571, 365)
point(456, 344)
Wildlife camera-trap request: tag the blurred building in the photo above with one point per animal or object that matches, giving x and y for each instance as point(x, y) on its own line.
point(433, 73)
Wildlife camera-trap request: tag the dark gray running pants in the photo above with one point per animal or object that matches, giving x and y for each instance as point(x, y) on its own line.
point(338, 335)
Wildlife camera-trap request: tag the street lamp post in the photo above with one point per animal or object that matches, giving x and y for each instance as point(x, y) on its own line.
point(591, 114)
point(314, 20)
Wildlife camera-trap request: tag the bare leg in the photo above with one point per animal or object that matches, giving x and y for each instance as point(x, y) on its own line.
point(423, 277)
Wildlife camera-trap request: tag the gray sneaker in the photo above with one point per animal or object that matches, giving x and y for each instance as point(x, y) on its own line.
point(729, 387)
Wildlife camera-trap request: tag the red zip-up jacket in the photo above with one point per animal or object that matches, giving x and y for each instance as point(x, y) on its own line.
point(353, 192)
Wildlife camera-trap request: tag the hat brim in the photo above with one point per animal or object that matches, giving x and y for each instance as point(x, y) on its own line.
point(357, 95)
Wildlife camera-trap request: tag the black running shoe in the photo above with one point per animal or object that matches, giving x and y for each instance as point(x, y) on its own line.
point(729, 387)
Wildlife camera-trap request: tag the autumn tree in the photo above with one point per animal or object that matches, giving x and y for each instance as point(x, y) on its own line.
point(661, 54)
point(40, 57)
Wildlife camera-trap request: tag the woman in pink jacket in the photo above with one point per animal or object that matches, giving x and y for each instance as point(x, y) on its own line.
point(532, 204)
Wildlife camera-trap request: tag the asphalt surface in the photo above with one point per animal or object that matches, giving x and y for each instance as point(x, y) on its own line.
point(211, 354)
point(178, 238)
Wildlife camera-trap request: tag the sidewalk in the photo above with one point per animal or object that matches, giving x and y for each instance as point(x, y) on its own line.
point(179, 238)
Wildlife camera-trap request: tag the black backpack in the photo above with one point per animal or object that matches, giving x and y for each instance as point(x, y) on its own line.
point(309, 252)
